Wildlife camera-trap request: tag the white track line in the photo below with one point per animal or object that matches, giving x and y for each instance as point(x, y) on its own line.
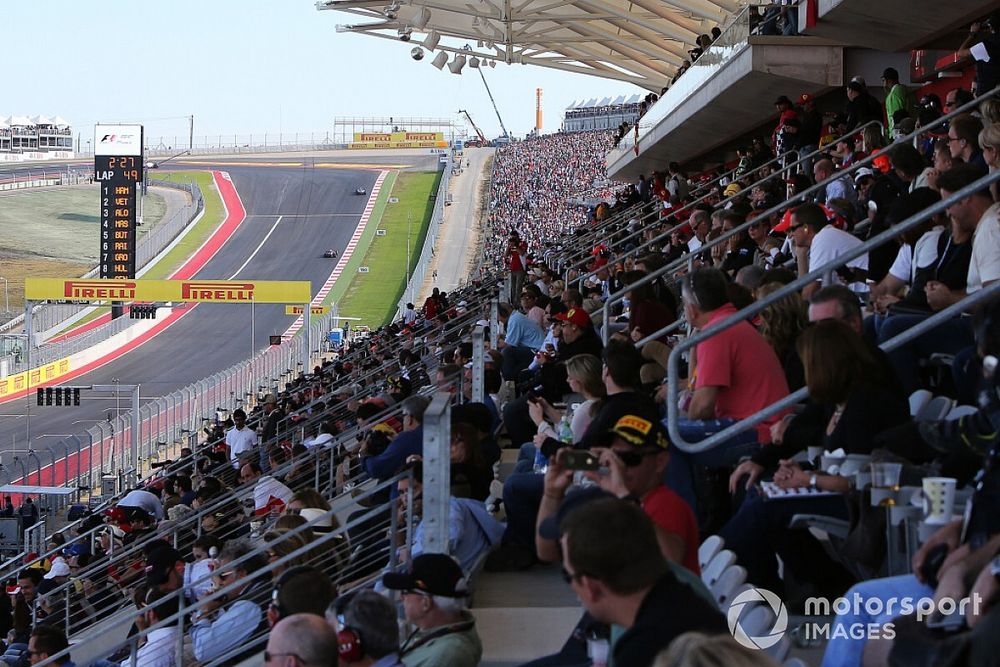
point(257, 249)
point(345, 256)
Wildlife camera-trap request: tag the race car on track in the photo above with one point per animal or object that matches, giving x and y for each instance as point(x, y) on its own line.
point(330, 254)
point(360, 191)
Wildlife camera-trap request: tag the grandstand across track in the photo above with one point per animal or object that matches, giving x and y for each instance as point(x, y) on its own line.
point(293, 214)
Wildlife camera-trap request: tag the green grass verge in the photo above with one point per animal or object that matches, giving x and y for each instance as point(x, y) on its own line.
point(210, 220)
point(373, 296)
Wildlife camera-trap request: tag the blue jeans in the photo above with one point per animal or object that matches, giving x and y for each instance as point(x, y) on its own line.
point(759, 532)
point(680, 475)
point(514, 360)
point(526, 458)
point(842, 650)
point(522, 494)
point(950, 337)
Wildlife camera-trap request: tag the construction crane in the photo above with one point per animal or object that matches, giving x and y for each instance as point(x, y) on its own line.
point(506, 134)
point(482, 137)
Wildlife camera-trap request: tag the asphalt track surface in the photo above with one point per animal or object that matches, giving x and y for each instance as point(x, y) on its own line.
point(293, 215)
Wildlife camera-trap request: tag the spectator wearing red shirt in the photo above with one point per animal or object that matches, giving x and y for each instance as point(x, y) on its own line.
point(737, 375)
point(635, 453)
point(432, 306)
point(516, 263)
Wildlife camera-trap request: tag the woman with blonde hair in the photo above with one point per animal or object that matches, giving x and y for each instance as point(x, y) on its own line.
point(780, 325)
point(990, 111)
point(694, 649)
point(989, 141)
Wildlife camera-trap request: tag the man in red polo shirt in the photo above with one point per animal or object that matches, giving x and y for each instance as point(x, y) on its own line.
point(736, 374)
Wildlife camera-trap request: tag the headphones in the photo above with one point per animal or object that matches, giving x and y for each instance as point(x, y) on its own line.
point(350, 648)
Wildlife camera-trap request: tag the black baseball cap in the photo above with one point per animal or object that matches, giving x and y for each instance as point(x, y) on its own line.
point(783, 99)
point(639, 432)
point(549, 527)
point(890, 73)
point(433, 574)
point(159, 563)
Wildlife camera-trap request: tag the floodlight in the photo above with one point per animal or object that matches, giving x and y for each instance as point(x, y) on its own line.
point(457, 64)
point(440, 59)
point(422, 19)
point(431, 41)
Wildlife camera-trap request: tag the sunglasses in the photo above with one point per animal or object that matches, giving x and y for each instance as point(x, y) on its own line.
point(632, 458)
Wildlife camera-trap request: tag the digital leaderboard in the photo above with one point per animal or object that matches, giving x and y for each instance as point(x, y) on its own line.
point(118, 167)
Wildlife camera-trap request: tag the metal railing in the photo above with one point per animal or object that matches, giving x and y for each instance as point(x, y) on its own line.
point(682, 262)
point(735, 38)
point(419, 274)
point(374, 539)
point(49, 319)
point(647, 245)
point(889, 235)
point(106, 447)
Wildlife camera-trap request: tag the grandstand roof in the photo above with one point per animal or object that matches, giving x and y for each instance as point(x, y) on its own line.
point(639, 41)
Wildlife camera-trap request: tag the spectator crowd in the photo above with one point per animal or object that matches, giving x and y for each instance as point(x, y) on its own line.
point(284, 527)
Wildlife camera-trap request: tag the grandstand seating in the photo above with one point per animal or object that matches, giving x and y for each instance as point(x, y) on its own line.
point(570, 245)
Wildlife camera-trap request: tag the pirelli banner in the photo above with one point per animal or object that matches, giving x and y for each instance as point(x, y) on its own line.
point(398, 140)
point(194, 291)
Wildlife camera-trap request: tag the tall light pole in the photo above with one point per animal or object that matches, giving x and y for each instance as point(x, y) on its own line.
point(6, 296)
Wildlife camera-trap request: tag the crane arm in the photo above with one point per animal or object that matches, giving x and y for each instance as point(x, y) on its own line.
point(493, 102)
point(475, 127)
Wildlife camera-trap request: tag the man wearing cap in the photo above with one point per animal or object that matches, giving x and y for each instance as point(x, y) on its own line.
point(811, 128)
point(786, 112)
point(434, 592)
point(897, 96)
point(239, 438)
point(612, 561)
point(164, 567)
point(861, 106)
point(633, 460)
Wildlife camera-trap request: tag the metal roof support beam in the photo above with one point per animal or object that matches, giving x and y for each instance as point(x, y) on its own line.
point(706, 9)
point(579, 69)
point(592, 56)
point(671, 29)
point(617, 44)
point(661, 70)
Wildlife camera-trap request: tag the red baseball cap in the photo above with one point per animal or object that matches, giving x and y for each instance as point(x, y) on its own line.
point(577, 316)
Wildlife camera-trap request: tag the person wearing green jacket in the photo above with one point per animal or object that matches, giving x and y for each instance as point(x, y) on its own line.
point(897, 96)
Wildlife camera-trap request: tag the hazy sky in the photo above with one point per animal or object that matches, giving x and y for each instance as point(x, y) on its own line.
point(246, 66)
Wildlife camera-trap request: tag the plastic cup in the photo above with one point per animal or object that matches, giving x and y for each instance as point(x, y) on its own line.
point(886, 475)
point(939, 499)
